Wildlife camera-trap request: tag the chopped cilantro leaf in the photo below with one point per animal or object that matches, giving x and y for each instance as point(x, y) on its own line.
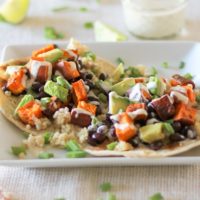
point(182, 65)
point(198, 98)
point(90, 55)
point(165, 65)
point(17, 150)
point(51, 33)
point(111, 197)
point(61, 8)
point(83, 9)
point(88, 25)
point(119, 60)
point(188, 76)
point(105, 187)
point(157, 196)
point(154, 71)
point(45, 155)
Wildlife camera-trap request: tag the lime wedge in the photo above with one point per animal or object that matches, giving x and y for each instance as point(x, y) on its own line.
point(14, 11)
point(106, 33)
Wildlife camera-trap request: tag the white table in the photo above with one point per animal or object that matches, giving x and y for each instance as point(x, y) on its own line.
point(177, 183)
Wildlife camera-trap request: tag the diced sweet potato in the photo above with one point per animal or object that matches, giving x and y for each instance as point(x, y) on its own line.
point(78, 91)
point(180, 80)
point(43, 50)
point(15, 82)
point(42, 75)
point(190, 93)
point(68, 69)
point(185, 114)
point(30, 110)
point(87, 106)
point(135, 106)
point(140, 80)
point(80, 117)
point(164, 107)
point(125, 128)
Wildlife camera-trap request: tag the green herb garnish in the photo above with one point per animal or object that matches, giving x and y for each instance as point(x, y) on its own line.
point(47, 137)
point(72, 145)
point(76, 154)
point(61, 8)
point(133, 72)
point(154, 71)
point(83, 9)
point(182, 65)
point(111, 196)
point(168, 128)
point(105, 187)
point(102, 97)
point(188, 76)
point(88, 25)
point(198, 98)
point(112, 145)
point(51, 33)
point(119, 60)
point(90, 55)
point(165, 65)
point(45, 155)
point(157, 196)
point(17, 150)
point(170, 121)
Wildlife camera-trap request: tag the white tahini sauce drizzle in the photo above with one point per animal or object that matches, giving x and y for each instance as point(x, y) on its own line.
point(80, 111)
point(137, 112)
point(180, 97)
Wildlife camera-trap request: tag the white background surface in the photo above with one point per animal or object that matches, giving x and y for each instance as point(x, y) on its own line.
point(129, 183)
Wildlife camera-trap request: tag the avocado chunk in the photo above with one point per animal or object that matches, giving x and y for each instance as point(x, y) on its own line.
point(156, 86)
point(118, 73)
point(105, 86)
point(27, 98)
point(122, 87)
point(117, 103)
point(64, 83)
point(152, 133)
point(53, 55)
point(53, 89)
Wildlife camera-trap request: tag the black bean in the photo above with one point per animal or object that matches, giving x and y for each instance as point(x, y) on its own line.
point(108, 115)
point(156, 145)
point(150, 108)
point(191, 134)
point(86, 76)
point(176, 137)
point(92, 129)
point(102, 129)
point(134, 141)
point(152, 115)
point(177, 126)
point(98, 111)
point(48, 113)
point(184, 130)
point(42, 95)
point(102, 76)
point(96, 138)
point(41, 89)
point(4, 88)
point(28, 74)
point(36, 86)
point(112, 134)
point(91, 98)
point(90, 84)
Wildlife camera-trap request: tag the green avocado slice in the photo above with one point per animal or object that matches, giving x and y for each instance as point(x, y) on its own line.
point(52, 56)
point(152, 133)
point(53, 89)
point(27, 98)
point(117, 103)
point(122, 87)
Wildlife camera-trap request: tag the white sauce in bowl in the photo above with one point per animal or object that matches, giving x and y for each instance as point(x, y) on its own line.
point(152, 20)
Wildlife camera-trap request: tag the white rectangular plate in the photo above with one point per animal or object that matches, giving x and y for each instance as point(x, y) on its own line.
point(146, 53)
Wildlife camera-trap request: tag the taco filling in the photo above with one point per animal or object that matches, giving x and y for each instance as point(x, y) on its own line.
point(77, 96)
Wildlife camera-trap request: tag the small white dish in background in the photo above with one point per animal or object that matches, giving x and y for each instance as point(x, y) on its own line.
point(146, 53)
